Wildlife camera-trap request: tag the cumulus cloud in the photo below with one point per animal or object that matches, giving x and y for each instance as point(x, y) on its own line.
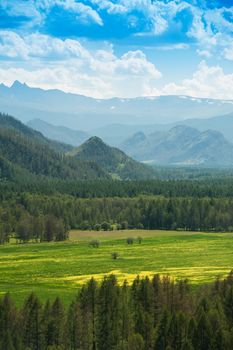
point(38, 10)
point(66, 64)
point(207, 81)
point(209, 26)
point(13, 45)
point(85, 12)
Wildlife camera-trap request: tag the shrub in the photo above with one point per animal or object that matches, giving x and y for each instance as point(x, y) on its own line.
point(94, 244)
point(130, 240)
point(106, 226)
point(115, 255)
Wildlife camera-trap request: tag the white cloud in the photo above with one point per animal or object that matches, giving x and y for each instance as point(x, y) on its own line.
point(181, 46)
point(66, 64)
point(228, 53)
point(39, 46)
point(85, 13)
point(204, 53)
point(12, 45)
point(210, 82)
point(211, 28)
point(22, 8)
point(37, 10)
point(47, 62)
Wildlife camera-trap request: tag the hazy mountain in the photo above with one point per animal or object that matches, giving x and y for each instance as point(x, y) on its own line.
point(114, 161)
point(181, 145)
point(59, 133)
point(116, 134)
point(223, 124)
point(85, 113)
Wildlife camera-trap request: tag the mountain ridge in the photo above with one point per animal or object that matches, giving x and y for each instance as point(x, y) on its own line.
point(58, 133)
point(26, 151)
point(182, 145)
point(86, 113)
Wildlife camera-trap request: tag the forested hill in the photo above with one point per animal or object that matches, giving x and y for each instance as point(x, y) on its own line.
point(8, 122)
point(114, 161)
point(26, 153)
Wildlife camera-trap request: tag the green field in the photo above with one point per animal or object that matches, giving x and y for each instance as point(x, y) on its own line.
point(52, 269)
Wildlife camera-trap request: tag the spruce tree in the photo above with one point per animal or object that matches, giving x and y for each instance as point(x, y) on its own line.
point(108, 314)
point(32, 326)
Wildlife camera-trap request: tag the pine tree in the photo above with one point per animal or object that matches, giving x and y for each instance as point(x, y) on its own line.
point(32, 326)
point(57, 323)
point(126, 312)
point(73, 326)
point(6, 342)
point(108, 314)
point(161, 340)
point(203, 331)
point(8, 319)
point(87, 300)
point(136, 342)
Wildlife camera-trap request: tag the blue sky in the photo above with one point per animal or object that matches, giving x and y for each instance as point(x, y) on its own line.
point(125, 48)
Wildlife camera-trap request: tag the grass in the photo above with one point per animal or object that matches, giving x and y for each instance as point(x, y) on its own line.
point(52, 269)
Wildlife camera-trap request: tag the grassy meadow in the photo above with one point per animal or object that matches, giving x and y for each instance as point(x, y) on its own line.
point(52, 269)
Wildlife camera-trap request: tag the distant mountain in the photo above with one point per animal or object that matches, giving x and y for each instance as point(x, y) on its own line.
point(25, 153)
point(116, 134)
point(85, 113)
point(112, 160)
point(222, 123)
point(59, 133)
point(181, 145)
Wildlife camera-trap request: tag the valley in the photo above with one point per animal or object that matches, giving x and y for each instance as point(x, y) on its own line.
point(116, 175)
point(51, 269)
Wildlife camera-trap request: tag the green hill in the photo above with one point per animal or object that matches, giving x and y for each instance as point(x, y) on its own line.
point(25, 152)
point(114, 161)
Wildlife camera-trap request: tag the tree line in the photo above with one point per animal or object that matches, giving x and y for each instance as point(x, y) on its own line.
point(28, 227)
point(210, 186)
point(156, 314)
point(46, 218)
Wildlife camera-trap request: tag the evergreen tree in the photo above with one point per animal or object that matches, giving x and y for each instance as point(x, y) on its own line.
point(108, 314)
point(161, 340)
point(32, 326)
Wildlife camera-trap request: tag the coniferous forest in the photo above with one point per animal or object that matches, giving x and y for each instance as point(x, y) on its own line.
point(46, 218)
point(116, 175)
point(155, 314)
point(45, 193)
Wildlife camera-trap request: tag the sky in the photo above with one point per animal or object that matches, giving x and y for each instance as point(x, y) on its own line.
point(124, 48)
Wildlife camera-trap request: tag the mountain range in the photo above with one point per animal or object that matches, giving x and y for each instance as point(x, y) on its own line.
point(75, 128)
point(181, 145)
point(85, 113)
point(116, 134)
point(26, 153)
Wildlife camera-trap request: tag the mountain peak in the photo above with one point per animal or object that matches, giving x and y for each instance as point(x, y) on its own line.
point(113, 160)
point(17, 84)
point(95, 139)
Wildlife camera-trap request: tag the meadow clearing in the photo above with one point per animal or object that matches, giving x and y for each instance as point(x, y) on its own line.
point(51, 269)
